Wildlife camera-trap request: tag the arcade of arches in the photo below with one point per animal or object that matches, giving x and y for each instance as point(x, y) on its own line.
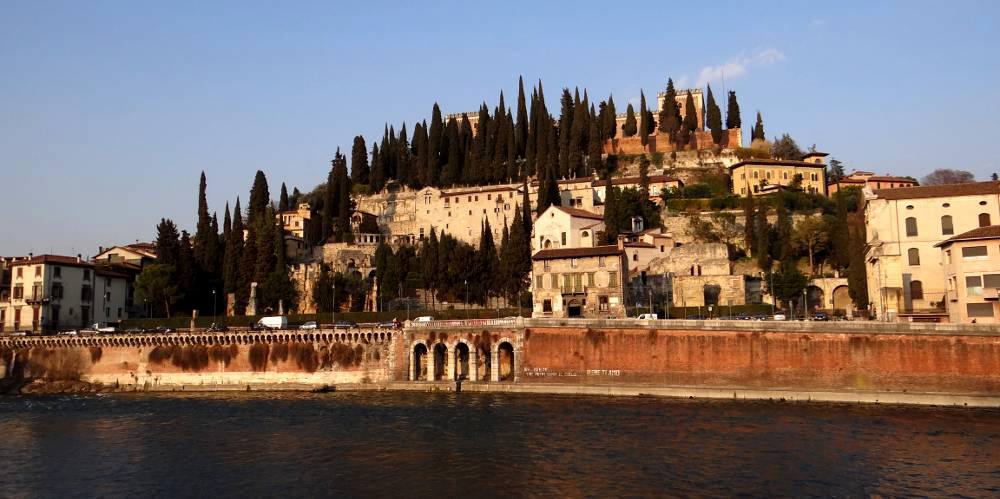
point(462, 360)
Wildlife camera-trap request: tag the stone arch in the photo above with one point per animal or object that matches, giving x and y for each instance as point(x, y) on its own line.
point(440, 361)
point(462, 355)
point(574, 308)
point(815, 298)
point(418, 367)
point(505, 361)
point(712, 292)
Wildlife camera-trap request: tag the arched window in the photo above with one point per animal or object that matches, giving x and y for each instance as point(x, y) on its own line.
point(984, 220)
point(916, 290)
point(914, 256)
point(947, 228)
point(911, 226)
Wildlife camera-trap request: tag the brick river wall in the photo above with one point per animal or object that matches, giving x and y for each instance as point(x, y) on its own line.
point(804, 360)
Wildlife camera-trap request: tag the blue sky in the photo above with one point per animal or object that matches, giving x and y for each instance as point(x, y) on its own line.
point(110, 110)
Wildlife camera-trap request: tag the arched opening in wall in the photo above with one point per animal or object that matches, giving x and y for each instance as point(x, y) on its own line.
point(419, 362)
point(815, 298)
point(462, 361)
point(573, 308)
point(484, 363)
point(712, 293)
point(505, 357)
point(841, 298)
point(440, 361)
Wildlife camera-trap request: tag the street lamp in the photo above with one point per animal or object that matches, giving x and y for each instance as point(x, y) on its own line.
point(333, 309)
point(466, 298)
point(215, 309)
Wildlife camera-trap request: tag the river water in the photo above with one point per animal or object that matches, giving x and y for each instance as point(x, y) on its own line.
point(484, 445)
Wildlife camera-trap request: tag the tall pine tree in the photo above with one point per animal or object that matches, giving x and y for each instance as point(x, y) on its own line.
point(733, 112)
point(713, 118)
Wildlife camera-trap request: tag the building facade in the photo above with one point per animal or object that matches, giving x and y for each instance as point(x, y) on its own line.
point(297, 221)
point(903, 229)
point(579, 282)
point(870, 181)
point(51, 293)
point(761, 176)
point(971, 263)
point(560, 227)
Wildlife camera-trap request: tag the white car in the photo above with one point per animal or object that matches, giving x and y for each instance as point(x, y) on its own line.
point(647, 317)
point(423, 318)
point(308, 325)
point(779, 317)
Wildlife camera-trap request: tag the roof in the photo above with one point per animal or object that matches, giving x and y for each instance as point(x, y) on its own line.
point(639, 244)
point(814, 154)
point(939, 191)
point(777, 162)
point(988, 232)
point(576, 212)
point(52, 260)
point(891, 178)
point(846, 180)
point(554, 254)
point(653, 179)
point(109, 273)
point(481, 190)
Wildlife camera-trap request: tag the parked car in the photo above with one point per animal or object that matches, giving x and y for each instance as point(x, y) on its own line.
point(345, 324)
point(165, 330)
point(311, 325)
point(103, 328)
point(779, 317)
point(217, 328)
point(820, 316)
point(647, 317)
point(273, 322)
point(742, 317)
point(424, 318)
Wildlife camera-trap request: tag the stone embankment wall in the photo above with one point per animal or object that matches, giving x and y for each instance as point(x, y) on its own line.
point(805, 356)
point(206, 361)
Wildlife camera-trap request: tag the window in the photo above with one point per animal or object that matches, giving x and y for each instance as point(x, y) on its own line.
point(57, 291)
point(974, 253)
point(57, 271)
point(973, 285)
point(20, 272)
point(553, 281)
point(979, 309)
point(563, 238)
point(38, 271)
point(547, 264)
point(635, 256)
point(991, 281)
point(600, 261)
point(18, 292)
point(573, 262)
point(947, 257)
point(662, 247)
point(85, 294)
point(911, 225)
point(86, 274)
point(567, 283)
point(612, 279)
point(539, 281)
point(489, 197)
point(947, 228)
point(984, 220)
point(946, 205)
point(590, 279)
point(547, 306)
point(602, 303)
point(916, 290)
point(914, 256)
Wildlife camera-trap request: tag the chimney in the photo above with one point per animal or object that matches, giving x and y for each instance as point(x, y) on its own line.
point(31, 255)
point(78, 258)
point(621, 243)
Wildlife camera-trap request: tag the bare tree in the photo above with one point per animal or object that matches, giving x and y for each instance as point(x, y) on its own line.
point(948, 176)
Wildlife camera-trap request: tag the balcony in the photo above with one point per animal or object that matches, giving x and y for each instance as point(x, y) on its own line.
point(991, 294)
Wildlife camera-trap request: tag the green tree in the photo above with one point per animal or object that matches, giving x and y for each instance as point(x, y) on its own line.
point(167, 242)
point(521, 126)
point(749, 222)
point(644, 175)
point(260, 197)
point(733, 114)
point(630, 128)
point(360, 171)
point(234, 249)
point(670, 116)
point(283, 199)
point(836, 171)
point(789, 282)
point(612, 119)
point(857, 275)
point(786, 148)
point(713, 118)
point(811, 234)
point(157, 285)
point(690, 122)
point(643, 117)
point(943, 176)
point(758, 129)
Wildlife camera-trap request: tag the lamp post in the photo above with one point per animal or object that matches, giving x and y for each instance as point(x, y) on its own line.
point(215, 309)
point(466, 298)
point(333, 309)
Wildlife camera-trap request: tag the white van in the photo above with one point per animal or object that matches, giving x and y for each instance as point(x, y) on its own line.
point(423, 318)
point(274, 322)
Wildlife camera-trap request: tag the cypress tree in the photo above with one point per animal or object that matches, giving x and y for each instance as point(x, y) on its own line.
point(283, 199)
point(530, 146)
point(643, 117)
point(732, 112)
point(234, 248)
point(567, 111)
point(504, 273)
point(429, 264)
point(403, 160)
point(713, 118)
point(762, 235)
point(594, 145)
point(612, 124)
point(434, 139)
point(521, 127)
point(186, 270)
point(266, 255)
point(453, 169)
point(690, 123)
point(670, 118)
point(206, 240)
point(376, 179)
point(644, 176)
point(167, 242)
point(758, 129)
point(489, 262)
point(247, 267)
point(526, 209)
point(260, 197)
point(330, 202)
point(360, 172)
point(630, 128)
point(419, 155)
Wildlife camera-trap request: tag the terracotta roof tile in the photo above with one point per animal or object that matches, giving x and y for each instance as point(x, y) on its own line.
point(988, 232)
point(551, 254)
point(653, 179)
point(52, 259)
point(777, 162)
point(939, 191)
point(576, 212)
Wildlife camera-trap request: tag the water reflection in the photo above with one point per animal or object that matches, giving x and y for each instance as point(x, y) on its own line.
point(443, 445)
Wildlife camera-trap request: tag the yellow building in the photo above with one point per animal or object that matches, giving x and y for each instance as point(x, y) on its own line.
point(903, 229)
point(971, 263)
point(579, 282)
point(296, 222)
point(763, 176)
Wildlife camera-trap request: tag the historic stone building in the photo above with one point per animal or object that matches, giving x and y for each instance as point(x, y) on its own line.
point(297, 222)
point(904, 227)
point(870, 181)
point(700, 274)
point(763, 176)
point(579, 282)
point(560, 227)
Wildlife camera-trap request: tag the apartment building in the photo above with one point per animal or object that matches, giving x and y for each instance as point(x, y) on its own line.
point(764, 176)
point(870, 181)
point(51, 293)
point(904, 226)
point(579, 282)
point(971, 264)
